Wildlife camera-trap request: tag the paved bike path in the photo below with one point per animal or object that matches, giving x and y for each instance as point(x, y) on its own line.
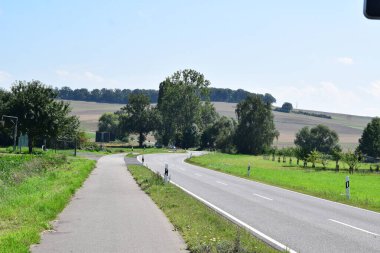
point(110, 213)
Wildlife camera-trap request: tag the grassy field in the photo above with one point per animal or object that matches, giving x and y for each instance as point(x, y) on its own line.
point(33, 190)
point(202, 228)
point(365, 187)
point(349, 127)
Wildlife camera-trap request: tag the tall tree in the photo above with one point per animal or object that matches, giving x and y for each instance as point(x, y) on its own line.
point(138, 116)
point(319, 138)
point(369, 143)
point(256, 130)
point(180, 107)
point(39, 114)
point(109, 122)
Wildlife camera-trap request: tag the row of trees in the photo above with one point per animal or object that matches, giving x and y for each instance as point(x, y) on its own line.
point(185, 117)
point(39, 114)
point(320, 145)
point(121, 95)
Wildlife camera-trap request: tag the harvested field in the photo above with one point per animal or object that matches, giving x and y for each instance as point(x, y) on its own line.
point(349, 127)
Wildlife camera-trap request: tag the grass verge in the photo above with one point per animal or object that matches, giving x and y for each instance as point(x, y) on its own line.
point(365, 187)
point(33, 191)
point(202, 228)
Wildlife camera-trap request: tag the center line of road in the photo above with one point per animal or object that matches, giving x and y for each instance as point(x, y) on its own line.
point(262, 196)
point(219, 182)
point(344, 224)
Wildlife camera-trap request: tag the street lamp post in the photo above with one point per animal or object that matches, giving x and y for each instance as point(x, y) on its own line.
point(12, 118)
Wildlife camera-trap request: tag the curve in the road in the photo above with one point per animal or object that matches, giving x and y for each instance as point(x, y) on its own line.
point(296, 221)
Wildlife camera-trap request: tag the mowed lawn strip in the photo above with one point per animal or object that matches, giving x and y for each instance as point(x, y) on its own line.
point(202, 228)
point(36, 192)
point(327, 184)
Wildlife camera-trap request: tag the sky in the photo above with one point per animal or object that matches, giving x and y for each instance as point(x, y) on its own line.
point(321, 55)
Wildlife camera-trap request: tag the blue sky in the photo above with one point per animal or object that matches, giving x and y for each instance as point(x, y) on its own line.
point(321, 55)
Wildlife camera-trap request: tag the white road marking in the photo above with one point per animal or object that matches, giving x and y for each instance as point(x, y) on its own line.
point(344, 224)
point(182, 169)
point(197, 174)
point(259, 234)
point(219, 182)
point(262, 196)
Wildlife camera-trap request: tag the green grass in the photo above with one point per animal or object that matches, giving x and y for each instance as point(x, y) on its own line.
point(365, 187)
point(202, 228)
point(33, 191)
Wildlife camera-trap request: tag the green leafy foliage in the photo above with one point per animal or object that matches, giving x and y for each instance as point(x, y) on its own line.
point(369, 143)
point(256, 130)
point(138, 116)
point(109, 122)
point(319, 138)
point(182, 114)
point(39, 114)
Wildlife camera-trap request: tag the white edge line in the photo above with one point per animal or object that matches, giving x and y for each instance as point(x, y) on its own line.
point(363, 230)
point(304, 194)
point(261, 235)
point(197, 174)
point(262, 196)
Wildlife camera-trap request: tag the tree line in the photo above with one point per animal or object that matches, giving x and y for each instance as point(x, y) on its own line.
point(120, 96)
point(184, 117)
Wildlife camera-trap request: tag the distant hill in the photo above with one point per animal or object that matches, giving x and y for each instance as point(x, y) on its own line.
point(119, 96)
point(349, 127)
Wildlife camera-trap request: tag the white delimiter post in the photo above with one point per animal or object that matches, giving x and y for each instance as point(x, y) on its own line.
point(348, 187)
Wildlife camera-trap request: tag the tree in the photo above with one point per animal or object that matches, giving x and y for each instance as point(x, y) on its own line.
point(39, 114)
point(256, 130)
point(287, 107)
point(336, 155)
point(313, 157)
point(269, 99)
point(352, 160)
point(180, 108)
point(5, 132)
point(319, 138)
point(369, 143)
point(109, 122)
point(138, 116)
point(220, 135)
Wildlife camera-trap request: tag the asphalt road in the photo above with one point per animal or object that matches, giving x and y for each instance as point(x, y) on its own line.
point(281, 217)
point(111, 214)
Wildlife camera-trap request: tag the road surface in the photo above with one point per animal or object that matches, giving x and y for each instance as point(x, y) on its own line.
point(281, 217)
point(111, 214)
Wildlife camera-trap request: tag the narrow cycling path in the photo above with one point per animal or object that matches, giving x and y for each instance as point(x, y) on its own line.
point(111, 214)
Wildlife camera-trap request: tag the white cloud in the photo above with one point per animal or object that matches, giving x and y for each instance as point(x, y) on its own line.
point(324, 96)
point(375, 88)
point(85, 79)
point(62, 73)
point(93, 77)
point(345, 60)
point(4, 77)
